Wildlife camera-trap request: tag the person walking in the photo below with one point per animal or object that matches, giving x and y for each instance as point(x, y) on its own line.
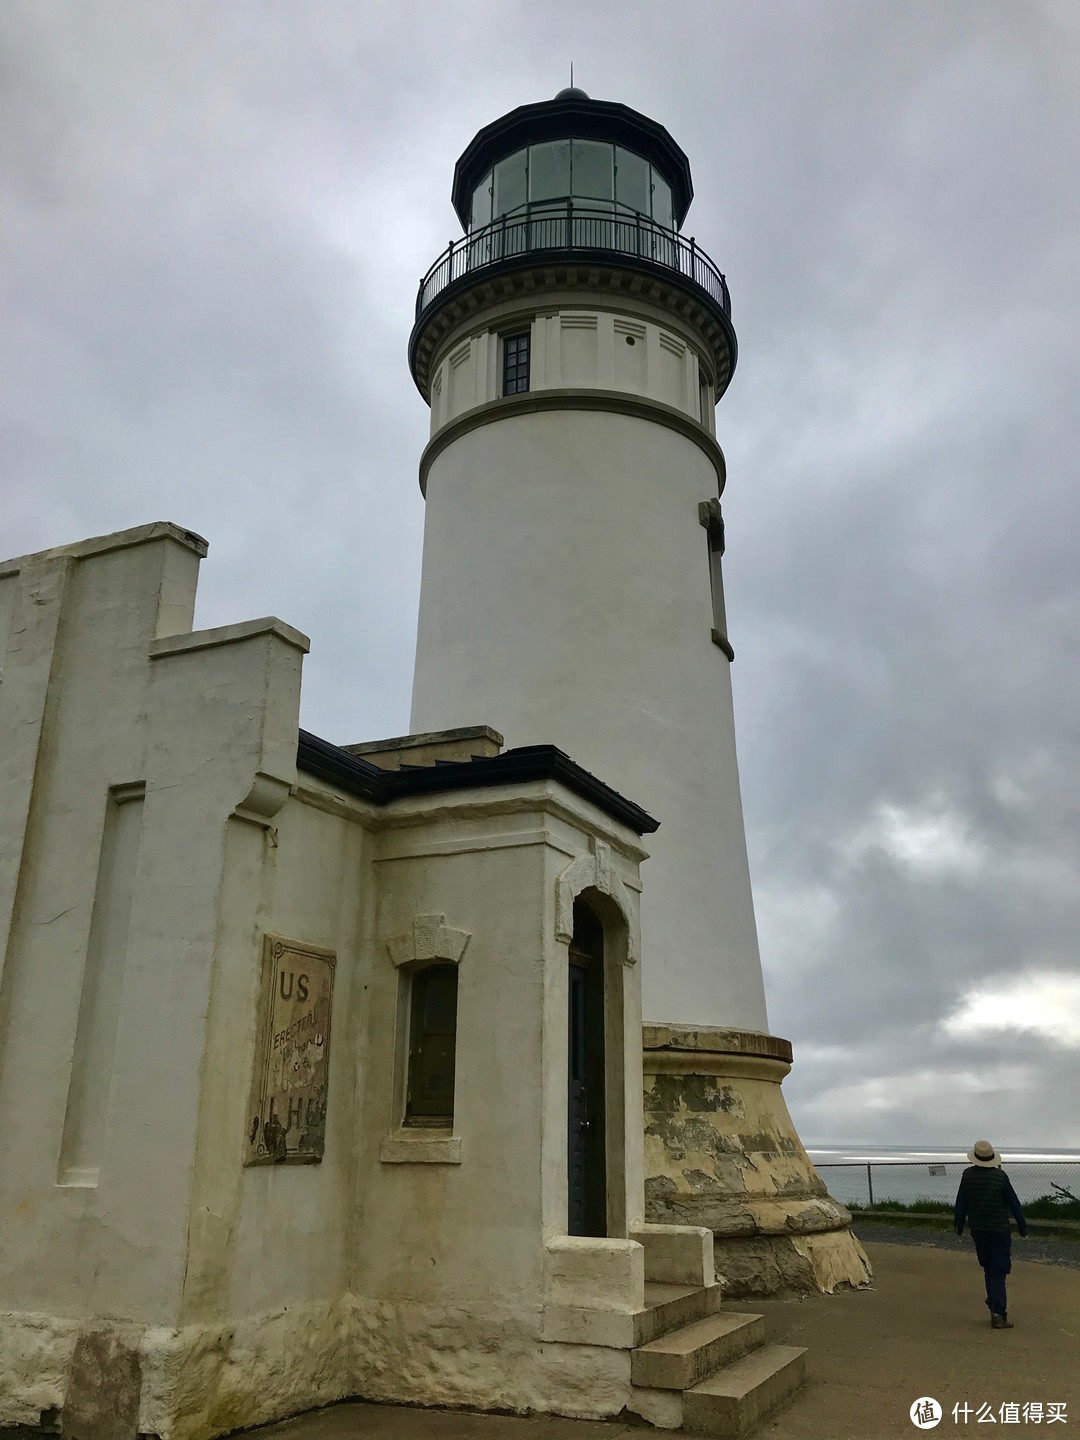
point(985, 1200)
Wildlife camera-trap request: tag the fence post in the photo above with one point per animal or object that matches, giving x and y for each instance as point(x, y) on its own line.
point(870, 1185)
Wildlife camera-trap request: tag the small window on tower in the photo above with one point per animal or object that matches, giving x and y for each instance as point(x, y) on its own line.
point(432, 1041)
point(705, 404)
point(515, 364)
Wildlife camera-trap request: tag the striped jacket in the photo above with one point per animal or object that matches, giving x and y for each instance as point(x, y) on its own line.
point(985, 1201)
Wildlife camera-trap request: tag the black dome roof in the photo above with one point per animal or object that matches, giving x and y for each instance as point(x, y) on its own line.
point(571, 114)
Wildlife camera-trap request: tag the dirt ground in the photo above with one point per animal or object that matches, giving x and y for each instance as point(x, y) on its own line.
point(923, 1330)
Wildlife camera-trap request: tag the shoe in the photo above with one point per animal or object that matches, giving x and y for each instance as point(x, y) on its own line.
point(1000, 1322)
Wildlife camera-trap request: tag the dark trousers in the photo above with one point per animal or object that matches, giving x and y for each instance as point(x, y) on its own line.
point(994, 1251)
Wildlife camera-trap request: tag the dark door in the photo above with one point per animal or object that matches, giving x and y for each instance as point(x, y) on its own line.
point(586, 1153)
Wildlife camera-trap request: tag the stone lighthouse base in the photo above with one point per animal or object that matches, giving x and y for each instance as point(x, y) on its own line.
point(721, 1151)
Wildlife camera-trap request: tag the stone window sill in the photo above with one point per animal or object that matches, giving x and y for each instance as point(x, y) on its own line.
point(421, 1147)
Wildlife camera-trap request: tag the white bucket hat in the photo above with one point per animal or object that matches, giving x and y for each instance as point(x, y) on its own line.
point(983, 1153)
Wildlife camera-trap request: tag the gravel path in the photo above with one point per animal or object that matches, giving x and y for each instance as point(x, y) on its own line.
point(1046, 1251)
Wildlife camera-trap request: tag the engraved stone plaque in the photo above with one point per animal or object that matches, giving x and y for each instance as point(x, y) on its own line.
point(287, 1119)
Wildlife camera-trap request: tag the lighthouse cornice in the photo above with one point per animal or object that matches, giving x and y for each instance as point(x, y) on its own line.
point(601, 277)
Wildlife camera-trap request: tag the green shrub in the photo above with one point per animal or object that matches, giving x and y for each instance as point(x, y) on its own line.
point(1046, 1207)
point(902, 1207)
point(1053, 1207)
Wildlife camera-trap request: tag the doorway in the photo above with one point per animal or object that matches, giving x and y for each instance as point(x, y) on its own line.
point(585, 1128)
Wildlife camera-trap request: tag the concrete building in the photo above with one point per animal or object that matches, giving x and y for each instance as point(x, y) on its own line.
point(321, 1067)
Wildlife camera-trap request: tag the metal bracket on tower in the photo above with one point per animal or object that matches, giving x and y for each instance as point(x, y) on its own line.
point(711, 516)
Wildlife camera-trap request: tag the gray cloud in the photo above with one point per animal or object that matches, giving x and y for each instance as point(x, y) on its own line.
point(215, 218)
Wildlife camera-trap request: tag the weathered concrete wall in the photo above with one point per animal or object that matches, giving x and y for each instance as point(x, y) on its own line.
point(410, 1264)
point(128, 744)
point(264, 1304)
point(721, 1151)
point(155, 832)
point(478, 1211)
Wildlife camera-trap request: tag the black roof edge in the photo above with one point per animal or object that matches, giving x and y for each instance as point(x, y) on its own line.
point(587, 120)
point(513, 767)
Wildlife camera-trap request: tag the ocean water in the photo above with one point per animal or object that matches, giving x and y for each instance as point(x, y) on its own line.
point(932, 1172)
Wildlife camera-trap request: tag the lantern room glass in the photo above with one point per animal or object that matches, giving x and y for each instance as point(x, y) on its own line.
point(549, 170)
point(633, 189)
point(511, 176)
point(661, 201)
point(593, 174)
point(481, 203)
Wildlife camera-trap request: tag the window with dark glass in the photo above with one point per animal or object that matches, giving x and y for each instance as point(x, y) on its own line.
point(432, 1039)
point(515, 364)
point(704, 397)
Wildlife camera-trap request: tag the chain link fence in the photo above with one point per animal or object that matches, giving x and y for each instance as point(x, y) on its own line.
point(1047, 1189)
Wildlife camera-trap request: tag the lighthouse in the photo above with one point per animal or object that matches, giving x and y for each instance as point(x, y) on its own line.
point(572, 345)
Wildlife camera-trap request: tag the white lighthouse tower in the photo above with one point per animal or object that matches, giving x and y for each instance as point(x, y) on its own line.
point(572, 347)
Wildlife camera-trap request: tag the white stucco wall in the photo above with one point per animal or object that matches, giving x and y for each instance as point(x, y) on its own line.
point(566, 600)
point(577, 346)
point(410, 1264)
point(83, 620)
point(109, 921)
point(153, 829)
point(267, 1245)
point(495, 878)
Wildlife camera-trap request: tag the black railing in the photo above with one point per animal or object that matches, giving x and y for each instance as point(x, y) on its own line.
point(567, 226)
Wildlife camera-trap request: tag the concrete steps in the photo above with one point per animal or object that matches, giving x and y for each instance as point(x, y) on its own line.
point(679, 1360)
point(735, 1400)
point(668, 1307)
point(724, 1375)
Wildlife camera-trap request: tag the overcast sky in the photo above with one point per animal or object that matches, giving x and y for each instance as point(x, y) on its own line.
point(214, 217)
